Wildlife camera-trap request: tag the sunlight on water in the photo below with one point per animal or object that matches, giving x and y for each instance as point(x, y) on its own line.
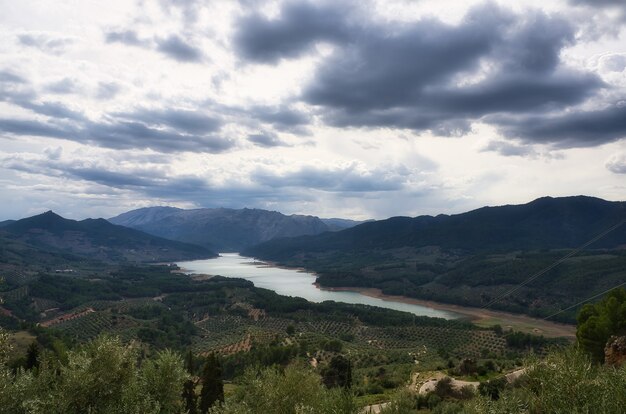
point(291, 282)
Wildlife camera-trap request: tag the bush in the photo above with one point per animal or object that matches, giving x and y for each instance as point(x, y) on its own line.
point(296, 390)
point(565, 382)
point(100, 377)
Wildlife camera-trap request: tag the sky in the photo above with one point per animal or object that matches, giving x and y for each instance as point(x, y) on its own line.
point(354, 109)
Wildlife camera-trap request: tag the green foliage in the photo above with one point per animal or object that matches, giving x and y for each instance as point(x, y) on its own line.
point(32, 356)
point(522, 340)
point(338, 373)
point(100, 377)
point(163, 376)
point(565, 382)
point(492, 388)
point(402, 402)
point(296, 390)
point(212, 385)
point(5, 347)
point(597, 322)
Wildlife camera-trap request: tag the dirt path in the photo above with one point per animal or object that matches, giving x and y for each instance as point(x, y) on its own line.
point(481, 317)
point(374, 409)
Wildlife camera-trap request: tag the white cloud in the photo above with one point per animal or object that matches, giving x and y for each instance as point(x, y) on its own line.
point(265, 145)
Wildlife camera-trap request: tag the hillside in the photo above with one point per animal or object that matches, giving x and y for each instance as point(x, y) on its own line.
point(473, 257)
point(98, 239)
point(545, 223)
point(224, 229)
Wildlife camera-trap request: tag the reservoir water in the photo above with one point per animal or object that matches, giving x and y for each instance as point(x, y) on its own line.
point(292, 282)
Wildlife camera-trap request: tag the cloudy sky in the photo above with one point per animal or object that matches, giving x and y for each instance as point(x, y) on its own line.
point(357, 109)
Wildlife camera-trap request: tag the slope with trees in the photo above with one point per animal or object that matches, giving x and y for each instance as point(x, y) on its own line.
point(472, 258)
point(98, 239)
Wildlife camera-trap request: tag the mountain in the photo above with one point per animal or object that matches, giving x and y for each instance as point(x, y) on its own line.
point(224, 229)
point(470, 259)
point(99, 239)
point(336, 224)
point(545, 223)
point(6, 223)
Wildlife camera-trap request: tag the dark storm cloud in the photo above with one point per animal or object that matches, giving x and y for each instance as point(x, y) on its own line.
point(10, 77)
point(599, 2)
point(151, 182)
point(410, 79)
point(164, 130)
point(427, 74)
point(127, 37)
point(298, 28)
point(509, 149)
point(107, 90)
point(334, 180)
point(62, 87)
point(617, 164)
point(45, 43)
point(54, 110)
point(120, 134)
point(116, 133)
point(176, 48)
point(267, 140)
point(571, 129)
point(173, 46)
point(193, 122)
point(24, 127)
point(280, 116)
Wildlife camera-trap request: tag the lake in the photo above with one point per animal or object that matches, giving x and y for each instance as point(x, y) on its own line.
point(292, 282)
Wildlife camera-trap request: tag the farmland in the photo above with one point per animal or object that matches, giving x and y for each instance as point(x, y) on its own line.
point(161, 308)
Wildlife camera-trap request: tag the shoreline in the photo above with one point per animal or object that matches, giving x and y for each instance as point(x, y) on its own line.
point(478, 316)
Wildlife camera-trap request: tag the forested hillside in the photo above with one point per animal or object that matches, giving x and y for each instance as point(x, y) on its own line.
point(98, 239)
point(472, 258)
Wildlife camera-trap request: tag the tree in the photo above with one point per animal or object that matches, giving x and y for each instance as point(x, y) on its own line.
point(492, 388)
point(189, 387)
point(163, 377)
point(338, 373)
point(598, 322)
point(212, 385)
point(32, 356)
point(296, 389)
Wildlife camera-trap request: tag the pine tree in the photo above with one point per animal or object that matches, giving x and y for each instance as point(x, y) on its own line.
point(189, 387)
point(212, 385)
point(32, 356)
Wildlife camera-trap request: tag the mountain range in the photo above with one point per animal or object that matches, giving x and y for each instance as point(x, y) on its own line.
point(224, 229)
point(98, 239)
point(545, 223)
point(472, 258)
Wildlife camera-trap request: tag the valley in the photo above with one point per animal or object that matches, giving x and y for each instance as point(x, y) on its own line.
point(396, 309)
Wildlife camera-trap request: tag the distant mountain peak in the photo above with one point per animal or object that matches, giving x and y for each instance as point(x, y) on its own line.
point(225, 229)
point(98, 238)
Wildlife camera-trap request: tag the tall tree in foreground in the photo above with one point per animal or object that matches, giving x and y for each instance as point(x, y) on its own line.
point(189, 387)
point(598, 322)
point(32, 356)
point(212, 385)
point(293, 390)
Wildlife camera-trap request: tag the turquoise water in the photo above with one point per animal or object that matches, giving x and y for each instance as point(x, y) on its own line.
point(290, 282)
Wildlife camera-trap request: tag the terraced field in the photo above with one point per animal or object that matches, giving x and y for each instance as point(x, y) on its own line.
point(90, 324)
point(221, 331)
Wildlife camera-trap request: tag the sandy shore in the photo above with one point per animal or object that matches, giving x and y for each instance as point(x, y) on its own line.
point(481, 317)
